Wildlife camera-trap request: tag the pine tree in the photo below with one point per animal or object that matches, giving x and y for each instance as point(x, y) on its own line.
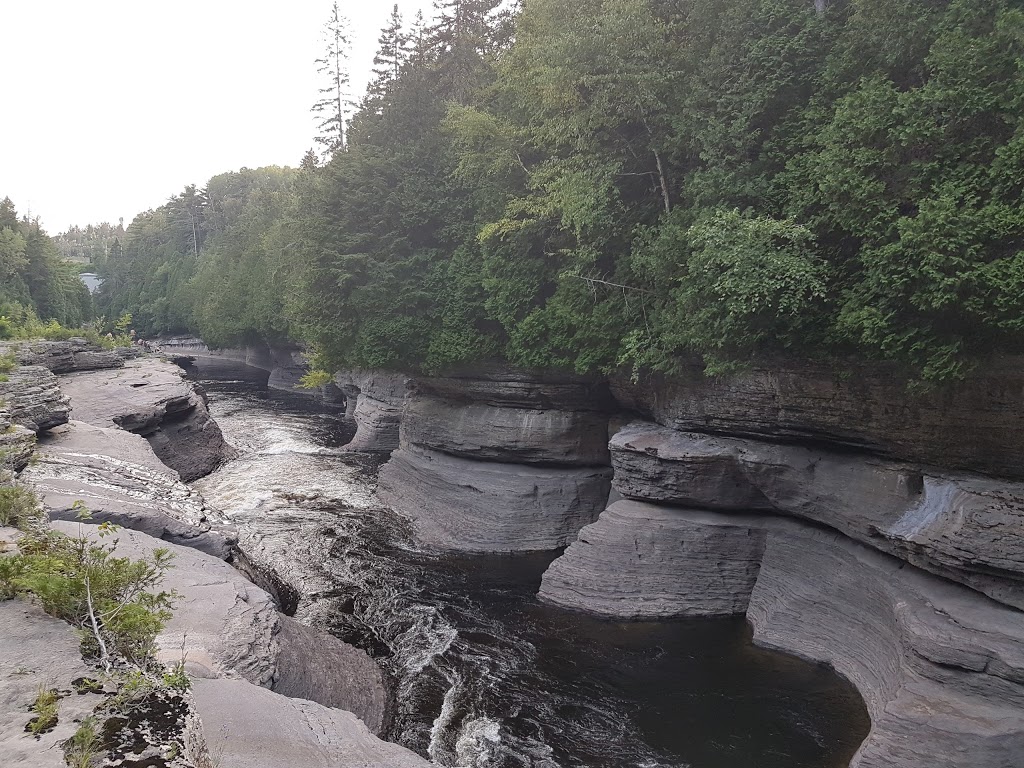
point(332, 108)
point(460, 38)
point(392, 53)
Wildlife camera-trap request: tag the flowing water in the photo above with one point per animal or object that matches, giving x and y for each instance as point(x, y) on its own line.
point(483, 674)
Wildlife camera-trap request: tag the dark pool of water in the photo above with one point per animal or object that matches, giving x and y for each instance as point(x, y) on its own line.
point(486, 676)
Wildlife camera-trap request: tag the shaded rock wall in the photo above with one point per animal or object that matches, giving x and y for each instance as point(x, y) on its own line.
point(151, 398)
point(940, 668)
point(68, 356)
point(967, 528)
point(975, 425)
point(499, 461)
point(32, 398)
point(374, 399)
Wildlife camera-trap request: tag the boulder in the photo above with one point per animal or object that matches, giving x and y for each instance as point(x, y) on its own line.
point(976, 424)
point(967, 528)
point(475, 506)
point(151, 398)
point(941, 670)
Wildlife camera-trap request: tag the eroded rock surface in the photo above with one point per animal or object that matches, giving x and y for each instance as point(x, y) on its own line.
point(33, 399)
point(249, 727)
point(977, 424)
point(476, 506)
point(119, 479)
point(224, 626)
point(67, 356)
point(151, 398)
point(16, 442)
point(940, 669)
point(38, 652)
point(375, 400)
point(966, 528)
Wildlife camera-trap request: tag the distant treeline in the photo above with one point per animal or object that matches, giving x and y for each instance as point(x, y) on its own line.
point(35, 283)
point(592, 184)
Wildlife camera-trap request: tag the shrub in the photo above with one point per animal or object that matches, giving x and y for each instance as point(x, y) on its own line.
point(19, 507)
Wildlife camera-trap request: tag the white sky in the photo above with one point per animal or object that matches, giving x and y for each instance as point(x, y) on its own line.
point(112, 106)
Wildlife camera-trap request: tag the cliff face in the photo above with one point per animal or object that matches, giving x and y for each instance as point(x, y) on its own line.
point(852, 523)
point(499, 462)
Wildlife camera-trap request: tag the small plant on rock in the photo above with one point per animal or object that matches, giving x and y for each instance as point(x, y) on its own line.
point(19, 507)
point(82, 749)
point(44, 709)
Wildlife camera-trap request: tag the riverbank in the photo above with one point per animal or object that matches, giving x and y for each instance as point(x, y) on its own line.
point(246, 659)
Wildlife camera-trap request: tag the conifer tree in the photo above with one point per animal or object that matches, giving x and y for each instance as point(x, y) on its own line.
point(331, 109)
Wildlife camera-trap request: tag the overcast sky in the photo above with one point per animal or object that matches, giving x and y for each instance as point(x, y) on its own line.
point(112, 106)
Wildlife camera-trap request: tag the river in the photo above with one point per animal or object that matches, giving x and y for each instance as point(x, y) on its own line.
point(483, 674)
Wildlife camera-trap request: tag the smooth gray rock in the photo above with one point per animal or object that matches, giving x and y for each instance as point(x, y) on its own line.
point(940, 669)
point(32, 398)
point(248, 727)
point(966, 528)
point(151, 398)
point(461, 504)
point(641, 561)
point(226, 627)
point(505, 433)
point(119, 479)
point(38, 652)
point(976, 424)
point(379, 398)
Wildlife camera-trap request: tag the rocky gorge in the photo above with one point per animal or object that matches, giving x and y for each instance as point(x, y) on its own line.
point(888, 547)
point(138, 429)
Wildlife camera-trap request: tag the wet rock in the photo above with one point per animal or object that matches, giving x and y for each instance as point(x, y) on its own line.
point(940, 669)
point(966, 528)
point(461, 504)
point(32, 398)
point(976, 424)
point(375, 400)
point(249, 727)
point(151, 398)
point(38, 652)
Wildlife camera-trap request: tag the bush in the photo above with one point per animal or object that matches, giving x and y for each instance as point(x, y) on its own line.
point(19, 507)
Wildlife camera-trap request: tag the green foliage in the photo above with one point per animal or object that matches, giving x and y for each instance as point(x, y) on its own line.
point(44, 711)
point(8, 362)
point(315, 379)
point(112, 599)
point(19, 507)
point(627, 182)
point(82, 750)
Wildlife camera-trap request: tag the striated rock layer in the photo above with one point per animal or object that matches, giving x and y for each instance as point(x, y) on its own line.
point(967, 528)
point(976, 424)
point(67, 356)
point(151, 398)
point(476, 506)
point(32, 398)
point(941, 670)
point(374, 399)
point(500, 461)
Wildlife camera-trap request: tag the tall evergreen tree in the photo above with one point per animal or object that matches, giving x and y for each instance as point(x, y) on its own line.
point(331, 109)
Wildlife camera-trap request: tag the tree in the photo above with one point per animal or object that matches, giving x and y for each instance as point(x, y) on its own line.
point(392, 53)
point(332, 108)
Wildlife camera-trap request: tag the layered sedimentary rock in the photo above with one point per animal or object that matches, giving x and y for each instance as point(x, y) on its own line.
point(67, 356)
point(374, 399)
point(16, 443)
point(976, 424)
point(966, 528)
point(940, 669)
point(118, 479)
point(500, 461)
point(151, 398)
point(32, 398)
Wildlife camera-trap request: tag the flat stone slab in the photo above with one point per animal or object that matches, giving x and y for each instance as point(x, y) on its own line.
point(250, 727)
